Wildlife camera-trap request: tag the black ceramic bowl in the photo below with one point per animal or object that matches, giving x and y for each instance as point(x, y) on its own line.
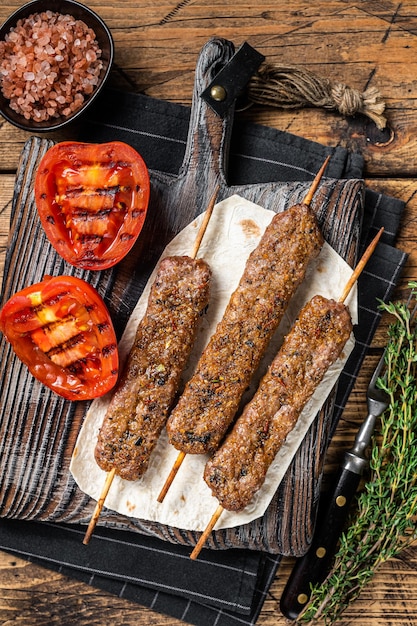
point(104, 40)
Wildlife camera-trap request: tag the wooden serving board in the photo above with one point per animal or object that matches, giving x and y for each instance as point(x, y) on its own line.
point(38, 429)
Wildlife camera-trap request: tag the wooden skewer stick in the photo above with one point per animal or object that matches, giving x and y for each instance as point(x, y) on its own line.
point(206, 532)
point(181, 456)
point(194, 554)
point(204, 223)
point(111, 474)
point(314, 185)
point(354, 277)
point(171, 476)
point(361, 264)
point(99, 506)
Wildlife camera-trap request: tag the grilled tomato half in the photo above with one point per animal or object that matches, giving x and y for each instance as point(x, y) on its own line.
point(92, 201)
point(61, 330)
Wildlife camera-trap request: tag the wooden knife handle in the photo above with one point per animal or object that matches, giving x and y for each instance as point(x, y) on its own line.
point(312, 568)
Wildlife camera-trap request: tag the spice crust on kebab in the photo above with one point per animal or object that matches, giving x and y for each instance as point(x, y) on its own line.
point(237, 470)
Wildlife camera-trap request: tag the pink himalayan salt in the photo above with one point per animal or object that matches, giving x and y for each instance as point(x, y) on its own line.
point(49, 62)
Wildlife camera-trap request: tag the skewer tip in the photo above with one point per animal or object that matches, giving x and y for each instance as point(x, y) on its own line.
point(204, 223)
point(99, 507)
point(361, 265)
point(314, 185)
point(200, 543)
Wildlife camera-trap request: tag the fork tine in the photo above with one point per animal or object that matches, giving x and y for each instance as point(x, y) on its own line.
point(377, 398)
point(378, 370)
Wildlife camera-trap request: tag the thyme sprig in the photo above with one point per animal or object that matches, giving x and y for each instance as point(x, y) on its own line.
point(385, 519)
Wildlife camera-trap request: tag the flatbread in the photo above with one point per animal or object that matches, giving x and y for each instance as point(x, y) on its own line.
point(234, 230)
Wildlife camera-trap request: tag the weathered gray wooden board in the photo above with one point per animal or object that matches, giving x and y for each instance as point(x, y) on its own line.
point(38, 430)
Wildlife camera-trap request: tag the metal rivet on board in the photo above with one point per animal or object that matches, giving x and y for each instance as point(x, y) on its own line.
point(218, 93)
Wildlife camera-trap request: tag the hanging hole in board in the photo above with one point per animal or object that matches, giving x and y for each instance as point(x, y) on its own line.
point(379, 137)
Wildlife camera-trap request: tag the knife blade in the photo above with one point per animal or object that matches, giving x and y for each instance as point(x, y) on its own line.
point(312, 568)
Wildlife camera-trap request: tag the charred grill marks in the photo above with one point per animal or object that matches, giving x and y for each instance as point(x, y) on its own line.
point(72, 342)
point(87, 210)
point(60, 339)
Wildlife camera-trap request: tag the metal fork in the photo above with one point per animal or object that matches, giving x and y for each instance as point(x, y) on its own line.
point(377, 400)
point(313, 566)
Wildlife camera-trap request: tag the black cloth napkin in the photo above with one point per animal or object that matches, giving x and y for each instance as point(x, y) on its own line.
point(222, 588)
point(230, 575)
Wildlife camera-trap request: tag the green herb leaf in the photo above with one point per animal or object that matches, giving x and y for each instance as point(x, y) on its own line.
point(384, 522)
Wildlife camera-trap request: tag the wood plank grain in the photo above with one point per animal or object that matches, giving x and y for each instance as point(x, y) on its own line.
point(360, 45)
point(6, 194)
point(371, 42)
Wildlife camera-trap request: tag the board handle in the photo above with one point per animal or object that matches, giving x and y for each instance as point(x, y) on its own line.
point(208, 141)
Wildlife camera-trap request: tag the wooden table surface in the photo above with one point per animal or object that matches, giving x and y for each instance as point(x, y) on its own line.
point(362, 43)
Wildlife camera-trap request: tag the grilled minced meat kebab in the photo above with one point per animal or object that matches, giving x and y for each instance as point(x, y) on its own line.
point(272, 274)
point(237, 470)
point(149, 384)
